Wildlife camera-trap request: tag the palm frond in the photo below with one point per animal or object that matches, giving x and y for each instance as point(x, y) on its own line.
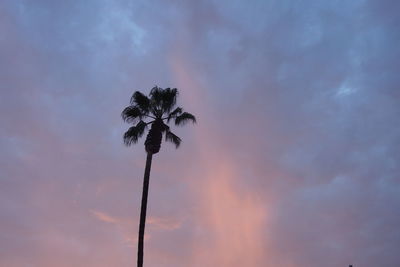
point(168, 100)
point(134, 133)
point(171, 137)
point(174, 113)
point(131, 114)
point(156, 96)
point(163, 100)
point(184, 118)
point(141, 101)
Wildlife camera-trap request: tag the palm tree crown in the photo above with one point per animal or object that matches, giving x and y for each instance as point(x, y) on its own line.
point(159, 108)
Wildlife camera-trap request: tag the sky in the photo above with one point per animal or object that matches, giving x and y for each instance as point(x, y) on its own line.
point(294, 160)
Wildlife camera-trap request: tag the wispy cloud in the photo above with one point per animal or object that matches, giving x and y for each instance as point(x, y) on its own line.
point(164, 223)
point(104, 217)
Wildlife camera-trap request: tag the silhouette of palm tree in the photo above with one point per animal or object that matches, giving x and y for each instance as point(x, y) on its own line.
point(158, 108)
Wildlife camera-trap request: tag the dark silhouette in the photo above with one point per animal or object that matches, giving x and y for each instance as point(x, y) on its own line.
point(157, 107)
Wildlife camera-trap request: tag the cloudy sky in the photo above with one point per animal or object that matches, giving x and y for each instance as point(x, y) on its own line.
point(294, 161)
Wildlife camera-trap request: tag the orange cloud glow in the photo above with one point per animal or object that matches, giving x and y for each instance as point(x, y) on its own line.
point(231, 220)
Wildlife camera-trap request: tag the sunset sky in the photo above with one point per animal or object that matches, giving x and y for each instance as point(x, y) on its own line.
point(294, 161)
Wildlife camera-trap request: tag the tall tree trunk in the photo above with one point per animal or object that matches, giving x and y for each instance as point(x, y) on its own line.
point(143, 209)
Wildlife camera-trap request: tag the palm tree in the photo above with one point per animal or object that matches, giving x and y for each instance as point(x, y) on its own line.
point(157, 108)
